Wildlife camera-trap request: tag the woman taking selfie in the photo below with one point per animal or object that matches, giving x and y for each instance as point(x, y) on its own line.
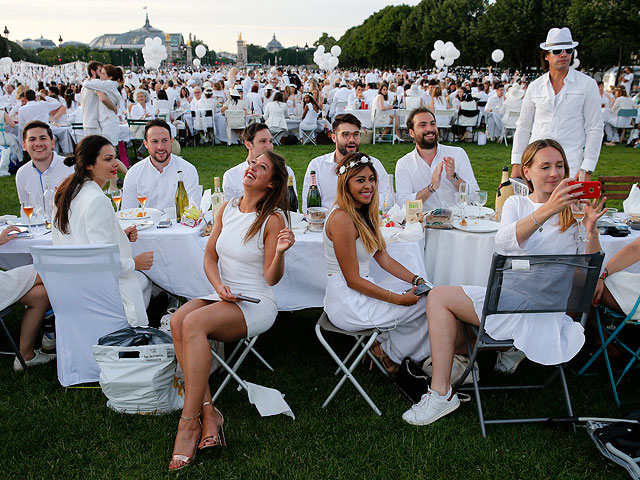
point(539, 224)
point(352, 301)
point(244, 254)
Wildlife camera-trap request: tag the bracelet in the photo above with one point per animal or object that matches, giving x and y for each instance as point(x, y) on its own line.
point(417, 280)
point(535, 222)
point(430, 188)
point(389, 298)
point(604, 274)
point(593, 237)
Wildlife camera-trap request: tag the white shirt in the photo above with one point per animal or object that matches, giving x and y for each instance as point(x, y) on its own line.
point(232, 180)
point(90, 103)
point(574, 119)
point(628, 81)
point(160, 187)
point(327, 179)
point(494, 103)
point(414, 174)
point(29, 178)
point(37, 111)
point(369, 94)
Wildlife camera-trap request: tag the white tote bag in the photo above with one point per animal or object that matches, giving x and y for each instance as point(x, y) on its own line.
point(482, 138)
point(139, 379)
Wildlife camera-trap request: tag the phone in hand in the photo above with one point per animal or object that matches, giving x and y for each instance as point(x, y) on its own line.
point(239, 296)
point(590, 189)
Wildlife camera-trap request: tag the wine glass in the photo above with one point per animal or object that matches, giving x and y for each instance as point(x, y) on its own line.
point(27, 207)
point(479, 199)
point(578, 211)
point(461, 202)
point(142, 198)
point(116, 196)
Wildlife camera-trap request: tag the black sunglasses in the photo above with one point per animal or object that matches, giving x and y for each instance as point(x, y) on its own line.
point(568, 51)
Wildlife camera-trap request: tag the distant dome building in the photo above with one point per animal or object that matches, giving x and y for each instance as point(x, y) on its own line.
point(36, 43)
point(135, 38)
point(274, 45)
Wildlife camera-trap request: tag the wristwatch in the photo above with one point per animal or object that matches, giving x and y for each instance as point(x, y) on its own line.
point(455, 177)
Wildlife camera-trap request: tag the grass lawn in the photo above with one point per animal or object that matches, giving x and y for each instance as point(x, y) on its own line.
point(52, 432)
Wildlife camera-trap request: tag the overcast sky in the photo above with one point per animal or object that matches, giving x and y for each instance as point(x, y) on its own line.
point(217, 23)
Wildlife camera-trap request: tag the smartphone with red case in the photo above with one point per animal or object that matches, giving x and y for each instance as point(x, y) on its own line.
point(590, 189)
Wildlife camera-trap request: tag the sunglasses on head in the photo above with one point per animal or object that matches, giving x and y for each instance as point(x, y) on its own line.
point(568, 51)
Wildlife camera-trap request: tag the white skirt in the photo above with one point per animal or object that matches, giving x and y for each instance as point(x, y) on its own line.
point(15, 283)
point(545, 338)
point(625, 288)
point(405, 329)
point(259, 317)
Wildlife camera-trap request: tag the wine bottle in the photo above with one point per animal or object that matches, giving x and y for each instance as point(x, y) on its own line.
point(217, 199)
point(48, 201)
point(293, 198)
point(182, 199)
point(389, 196)
point(313, 197)
point(505, 190)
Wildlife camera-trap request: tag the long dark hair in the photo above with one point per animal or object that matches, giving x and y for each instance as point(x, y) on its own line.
point(86, 153)
point(115, 73)
point(276, 197)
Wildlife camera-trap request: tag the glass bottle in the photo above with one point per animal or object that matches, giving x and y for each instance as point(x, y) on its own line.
point(293, 198)
point(313, 197)
point(505, 190)
point(182, 199)
point(217, 199)
point(389, 196)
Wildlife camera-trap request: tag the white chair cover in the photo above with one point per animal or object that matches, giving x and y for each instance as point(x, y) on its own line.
point(82, 284)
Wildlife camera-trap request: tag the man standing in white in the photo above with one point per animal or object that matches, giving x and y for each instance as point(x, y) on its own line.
point(257, 140)
point(157, 175)
point(628, 80)
point(37, 140)
point(90, 102)
point(563, 104)
point(346, 135)
point(432, 172)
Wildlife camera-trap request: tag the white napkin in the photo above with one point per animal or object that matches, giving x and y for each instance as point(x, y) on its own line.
point(205, 203)
point(397, 213)
point(411, 233)
point(5, 218)
point(298, 225)
point(268, 401)
point(632, 203)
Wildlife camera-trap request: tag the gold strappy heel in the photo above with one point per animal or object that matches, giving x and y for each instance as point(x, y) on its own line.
point(186, 460)
point(213, 441)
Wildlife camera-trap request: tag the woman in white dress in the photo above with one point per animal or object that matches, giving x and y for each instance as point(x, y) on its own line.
point(380, 107)
point(540, 224)
point(244, 255)
point(352, 301)
point(84, 215)
point(109, 85)
point(310, 114)
point(275, 114)
point(23, 285)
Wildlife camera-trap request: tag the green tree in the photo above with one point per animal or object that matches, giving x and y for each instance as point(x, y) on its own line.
point(327, 40)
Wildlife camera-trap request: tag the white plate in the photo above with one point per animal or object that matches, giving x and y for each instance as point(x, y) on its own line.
point(477, 225)
point(471, 210)
point(132, 214)
point(24, 221)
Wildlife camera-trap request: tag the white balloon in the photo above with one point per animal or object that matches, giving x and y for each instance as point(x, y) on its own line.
point(447, 45)
point(320, 48)
point(336, 50)
point(440, 63)
point(456, 54)
point(575, 53)
point(497, 55)
point(435, 55)
point(148, 42)
point(576, 63)
point(450, 51)
point(333, 62)
point(201, 51)
point(157, 40)
point(147, 65)
point(438, 45)
point(196, 61)
point(448, 61)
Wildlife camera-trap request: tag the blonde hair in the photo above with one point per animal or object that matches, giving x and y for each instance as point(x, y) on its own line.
point(528, 156)
point(364, 218)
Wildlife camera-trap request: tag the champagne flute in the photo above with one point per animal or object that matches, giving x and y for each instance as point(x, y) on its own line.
point(480, 199)
point(142, 198)
point(463, 190)
point(116, 196)
point(461, 202)
point(578, 211)
point(27, 206)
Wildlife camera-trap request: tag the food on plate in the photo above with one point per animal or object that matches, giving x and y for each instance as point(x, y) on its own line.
point(463, 222)
point(139, 215)
point(438, 218)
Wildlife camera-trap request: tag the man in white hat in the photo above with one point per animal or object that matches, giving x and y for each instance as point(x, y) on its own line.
point(562, 104)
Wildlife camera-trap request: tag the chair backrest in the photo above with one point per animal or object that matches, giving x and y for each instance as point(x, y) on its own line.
point(464, 121)
point(235, 118)
point(617, 188)
point(444, 117)
point(627, 112)
point(340, 106)
point(541, 283)
point(512, 118)
point(82, 284)
point(413, 102)
point(403, 114)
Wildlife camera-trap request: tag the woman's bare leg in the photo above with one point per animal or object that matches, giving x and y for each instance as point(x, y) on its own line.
point(445, 305)
point(38, 302)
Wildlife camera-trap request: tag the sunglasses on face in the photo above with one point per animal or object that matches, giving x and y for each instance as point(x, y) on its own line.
point(568, 51)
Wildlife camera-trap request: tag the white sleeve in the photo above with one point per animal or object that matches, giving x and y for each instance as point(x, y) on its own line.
point(137, 112)
point(20, 186)
point(99, 222)
point(404, 183)
point(465, 170)
point(383, 179)
point(192, 185)
point(506, 240)
point(524, 126)
point(593, 127)
point(129, 193)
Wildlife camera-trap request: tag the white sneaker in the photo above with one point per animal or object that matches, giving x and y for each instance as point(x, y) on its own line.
point(458, 367)
point(507, 362)
point(431, 407)
point(49, 341)
point(40, 358)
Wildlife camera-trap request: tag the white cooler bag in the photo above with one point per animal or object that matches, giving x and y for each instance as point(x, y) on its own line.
point(139, 379)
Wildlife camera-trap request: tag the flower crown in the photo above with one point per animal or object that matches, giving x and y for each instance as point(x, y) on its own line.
point(350, 165)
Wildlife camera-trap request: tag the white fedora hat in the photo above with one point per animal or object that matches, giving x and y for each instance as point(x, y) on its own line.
point(558, 38)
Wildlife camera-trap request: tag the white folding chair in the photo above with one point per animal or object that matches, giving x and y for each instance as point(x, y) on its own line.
point(444, 120)
point(308, 136)
point(236, 120)
point(364, 342)
point(402, 114)
point(380, 137)
point(82, 284)
point(14, 347)
point(339, 108)
point(509, 125)
point(467, 122)
point(625, 120)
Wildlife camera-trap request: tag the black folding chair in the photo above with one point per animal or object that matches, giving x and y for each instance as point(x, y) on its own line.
point(14, 347)
point(531, 284)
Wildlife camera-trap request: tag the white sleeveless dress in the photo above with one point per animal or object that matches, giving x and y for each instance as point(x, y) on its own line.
point(404, 328)
point(241, 267)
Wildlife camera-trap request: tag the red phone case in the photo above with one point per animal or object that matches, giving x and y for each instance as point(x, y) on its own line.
point(590, 189)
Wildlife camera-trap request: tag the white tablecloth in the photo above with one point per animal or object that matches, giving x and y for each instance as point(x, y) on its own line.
point(454, 257)
point(178, 264)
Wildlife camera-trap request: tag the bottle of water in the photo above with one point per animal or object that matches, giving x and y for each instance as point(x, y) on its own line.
point(389, 196)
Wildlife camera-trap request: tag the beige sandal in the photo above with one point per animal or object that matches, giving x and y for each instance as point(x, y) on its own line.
point(213, 441)
point(186, 460)
point(389, 365)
